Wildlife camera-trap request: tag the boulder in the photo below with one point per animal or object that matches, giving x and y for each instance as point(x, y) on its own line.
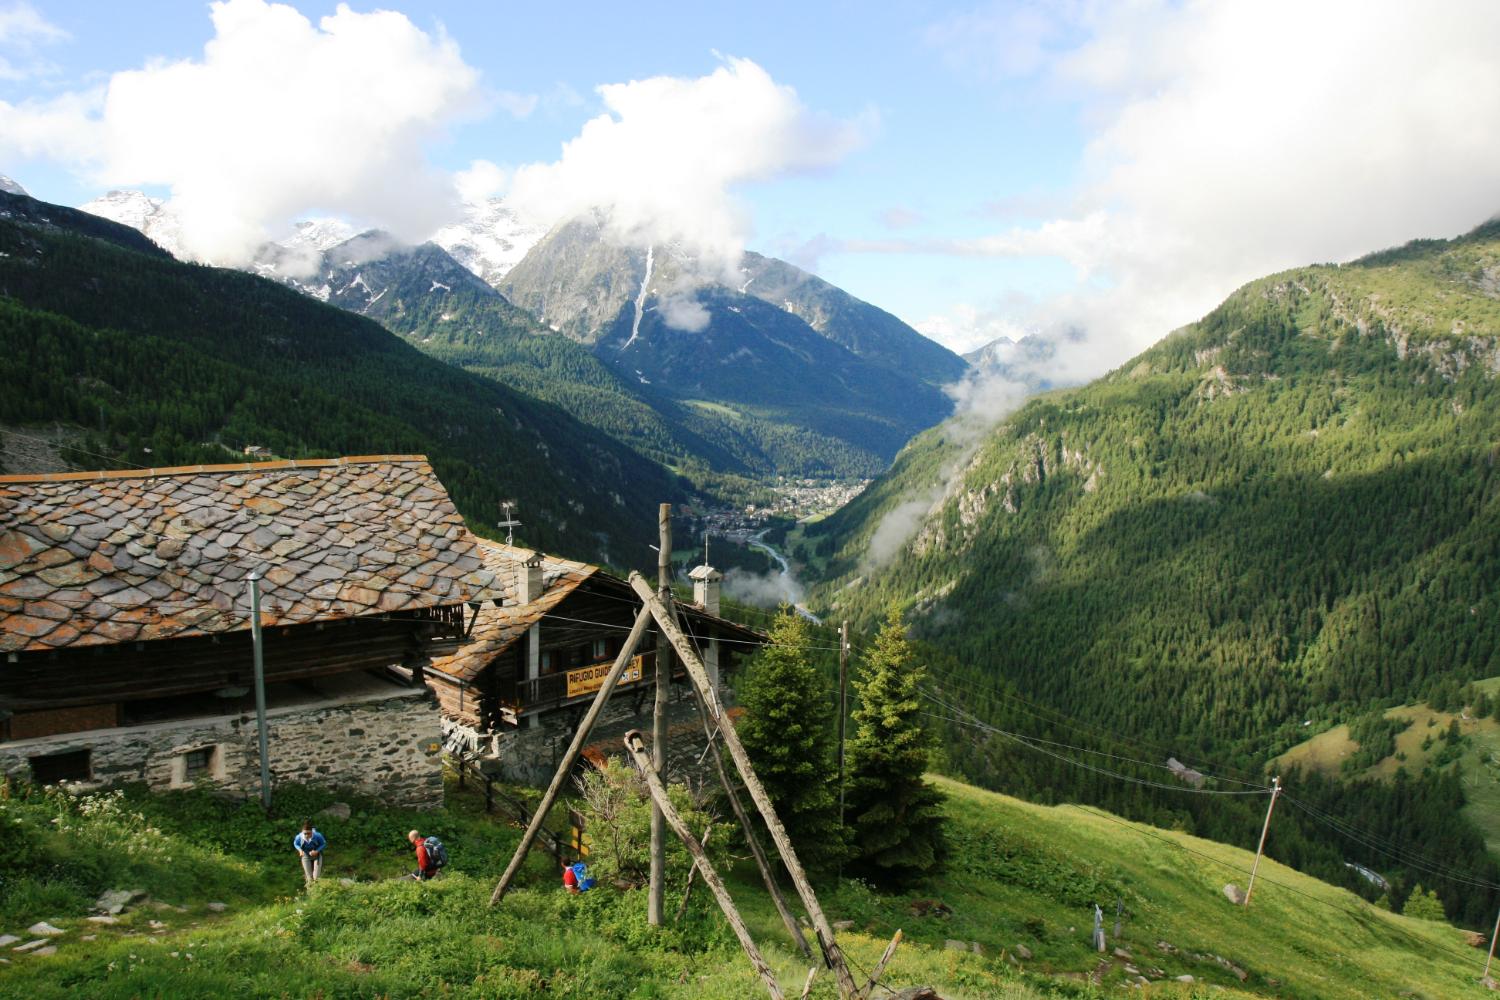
point(1022, 952)
point(105, 919)
point(952, 945)
point(1234, 894)
point(217, 907)
point(6, 940)
point(116, 900)
point(31, 945)
point(45, 929)
point(1122, 954)
point(339, 810)
point(1185, 979)
point(840, 926)
point(976, 947)
point(50, 949)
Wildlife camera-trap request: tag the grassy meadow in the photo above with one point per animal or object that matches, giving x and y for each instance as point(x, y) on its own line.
point(1022, 881)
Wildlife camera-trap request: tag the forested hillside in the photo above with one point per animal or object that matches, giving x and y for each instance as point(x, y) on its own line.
point(1284, 513)
point(157, 363)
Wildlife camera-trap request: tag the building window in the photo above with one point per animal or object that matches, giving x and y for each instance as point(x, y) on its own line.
point(548, 661)
point(601, 649)
point(74, 766)
point(198, 764)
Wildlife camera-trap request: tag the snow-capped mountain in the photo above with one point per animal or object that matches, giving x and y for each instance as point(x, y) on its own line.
point(9, 186)
point(489, 240)
point(139, 210)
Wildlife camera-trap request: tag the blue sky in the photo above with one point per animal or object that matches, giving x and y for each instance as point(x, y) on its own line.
point(986, 169)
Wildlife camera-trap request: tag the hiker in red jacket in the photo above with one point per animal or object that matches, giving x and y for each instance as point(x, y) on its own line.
point(425, 866)
point(570, 879)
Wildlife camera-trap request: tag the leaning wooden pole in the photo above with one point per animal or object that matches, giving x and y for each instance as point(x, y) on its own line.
point(1261, 847)
point(687, 890)
point(565, 767)
point(756, 851)
point(667, 627)
point(658, 890)
point(634, 744)
point(885, 959)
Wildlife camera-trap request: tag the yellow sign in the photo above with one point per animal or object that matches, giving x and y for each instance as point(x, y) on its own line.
point(587, 679)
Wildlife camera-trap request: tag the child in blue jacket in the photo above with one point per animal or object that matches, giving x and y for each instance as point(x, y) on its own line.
point(309, 844)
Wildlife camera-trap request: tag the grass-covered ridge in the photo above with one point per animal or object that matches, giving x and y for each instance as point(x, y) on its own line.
point(1021, 875)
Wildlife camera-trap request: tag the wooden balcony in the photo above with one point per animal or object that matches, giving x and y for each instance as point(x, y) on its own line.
point(567, 687)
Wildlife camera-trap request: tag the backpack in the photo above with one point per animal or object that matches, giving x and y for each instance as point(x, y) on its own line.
point(581, 873)
point(437, 854)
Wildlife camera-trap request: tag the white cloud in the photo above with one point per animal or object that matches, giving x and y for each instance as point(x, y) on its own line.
point(662, 163)
point(685, 312)
point(278, 119)
point(481, 181)
point(1235, 139)
point(22, 31)
point(965, 328)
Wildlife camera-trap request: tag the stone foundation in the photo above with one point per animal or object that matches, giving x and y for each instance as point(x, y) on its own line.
point(381, 740)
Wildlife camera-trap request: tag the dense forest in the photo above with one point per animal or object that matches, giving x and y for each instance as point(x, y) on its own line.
point(151, 362)
point(1285, 513)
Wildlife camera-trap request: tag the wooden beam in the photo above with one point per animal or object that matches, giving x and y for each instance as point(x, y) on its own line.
point(756, 851)
point(636, 747)
point(580, 737)
point(689, 656)
point(885, 958)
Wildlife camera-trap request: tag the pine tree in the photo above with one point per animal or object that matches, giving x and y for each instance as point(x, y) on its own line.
point(1424, 905)
point(788, 733)
point(895, 816)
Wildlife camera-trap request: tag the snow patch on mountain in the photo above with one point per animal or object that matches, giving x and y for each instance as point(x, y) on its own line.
point(489, 240)
point(140, 211)
point(10, 187)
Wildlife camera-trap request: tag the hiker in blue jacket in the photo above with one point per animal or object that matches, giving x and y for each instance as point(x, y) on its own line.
point(309, 844)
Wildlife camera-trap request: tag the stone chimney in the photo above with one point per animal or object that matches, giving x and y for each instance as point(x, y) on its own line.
point(706, 587)
point(528, 577)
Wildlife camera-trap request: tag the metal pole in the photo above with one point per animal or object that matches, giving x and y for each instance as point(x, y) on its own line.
point(656, 902)
point(258, 644)
point(1493, 935)
point(843, 706)
point(1260, 848)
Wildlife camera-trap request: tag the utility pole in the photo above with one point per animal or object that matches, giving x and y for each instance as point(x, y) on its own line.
point(1493, 935)
point(843, 705)
point(257, 645)
point(1260, 848)
point(655, 904)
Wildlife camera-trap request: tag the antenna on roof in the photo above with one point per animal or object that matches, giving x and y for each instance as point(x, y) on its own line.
point(510, 524)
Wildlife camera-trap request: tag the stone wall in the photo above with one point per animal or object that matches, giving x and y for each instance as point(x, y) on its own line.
point(385, 744)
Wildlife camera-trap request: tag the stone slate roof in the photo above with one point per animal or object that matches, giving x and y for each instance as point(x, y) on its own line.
point(90, 558)
point(496, 628)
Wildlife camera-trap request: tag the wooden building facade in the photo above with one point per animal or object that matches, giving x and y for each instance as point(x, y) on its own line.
point(546, 646)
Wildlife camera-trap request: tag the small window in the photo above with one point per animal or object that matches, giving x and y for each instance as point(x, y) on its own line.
point(601, 649)
point(74, 766)
point(198, 764)
point(548, 661)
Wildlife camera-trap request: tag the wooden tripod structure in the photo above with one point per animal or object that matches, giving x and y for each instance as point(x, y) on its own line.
point(667, 627)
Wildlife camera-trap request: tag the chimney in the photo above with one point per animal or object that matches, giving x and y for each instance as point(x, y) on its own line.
point(706, 587)
point(529, 577)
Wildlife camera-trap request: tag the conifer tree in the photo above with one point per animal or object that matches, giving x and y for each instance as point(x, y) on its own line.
point(1424, 905)
point(895, 816)
point(788, 733)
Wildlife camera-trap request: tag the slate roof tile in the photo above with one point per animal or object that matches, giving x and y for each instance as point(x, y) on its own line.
point(161, 553)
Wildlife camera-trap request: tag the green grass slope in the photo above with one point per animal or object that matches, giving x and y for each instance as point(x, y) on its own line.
point(1021, 875)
